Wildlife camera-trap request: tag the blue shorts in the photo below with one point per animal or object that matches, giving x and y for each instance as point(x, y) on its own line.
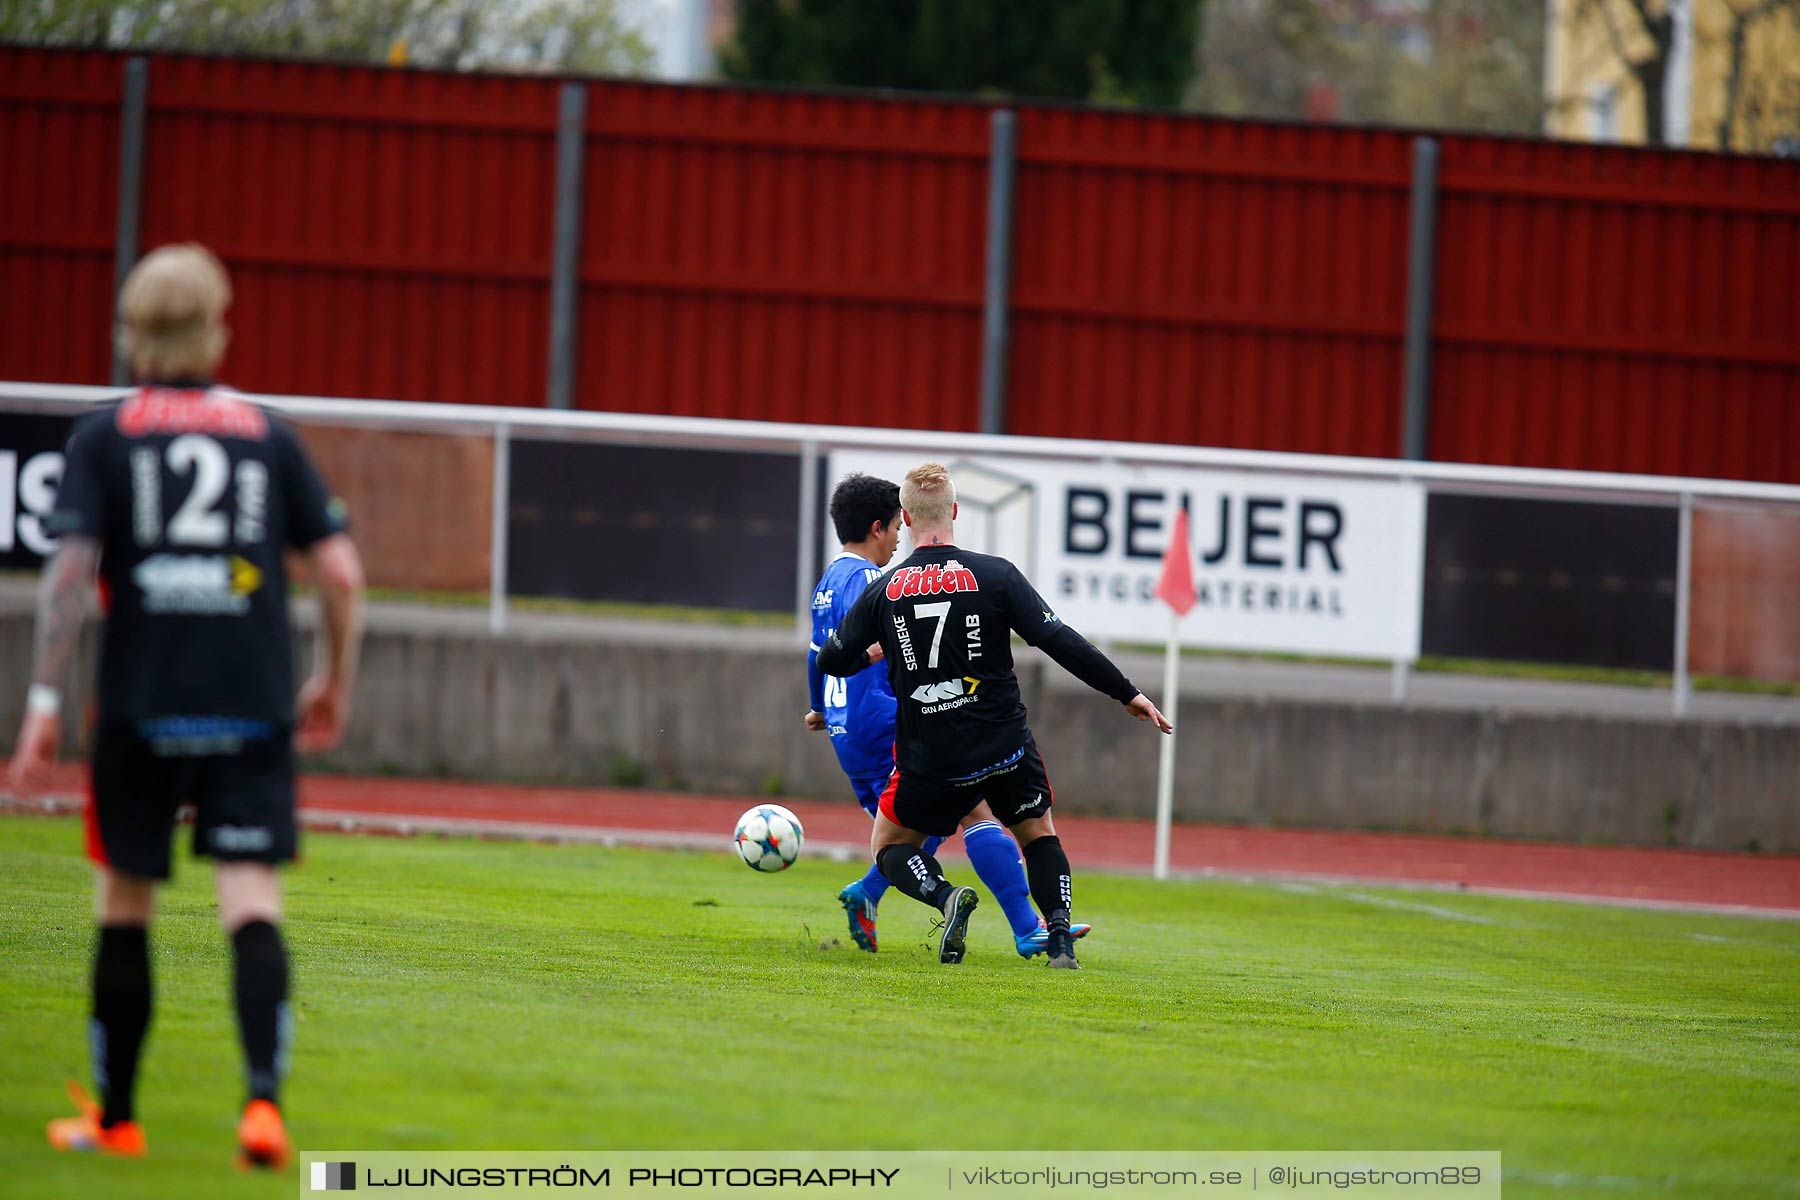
point(868, 792)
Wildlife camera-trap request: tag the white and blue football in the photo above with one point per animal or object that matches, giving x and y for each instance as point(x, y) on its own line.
point(769, 838)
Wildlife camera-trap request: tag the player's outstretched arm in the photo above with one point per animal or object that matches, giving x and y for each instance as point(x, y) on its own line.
point(324, 705)
point(1082, 659)
point(1038, 624)
point(62, 603)
point(1141, 708)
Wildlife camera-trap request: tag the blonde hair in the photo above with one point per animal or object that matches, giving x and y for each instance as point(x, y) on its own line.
point(172, 313)
point(929, 495)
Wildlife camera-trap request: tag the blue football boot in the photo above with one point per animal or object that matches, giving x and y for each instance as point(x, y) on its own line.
point(860, 911)
point(1038, 940)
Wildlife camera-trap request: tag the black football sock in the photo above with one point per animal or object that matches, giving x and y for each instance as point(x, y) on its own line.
point(914, 872)
point(121, 1016)
point(1047, 869)
point(262, 1005)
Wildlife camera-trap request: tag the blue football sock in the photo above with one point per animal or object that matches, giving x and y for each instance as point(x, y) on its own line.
point(875, 884)
point(996, 859)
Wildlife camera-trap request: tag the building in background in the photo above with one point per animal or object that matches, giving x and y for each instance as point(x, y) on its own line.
point(1705, 74)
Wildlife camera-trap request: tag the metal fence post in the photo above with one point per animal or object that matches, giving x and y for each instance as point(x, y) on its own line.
point(1421, 300)
point(806, 565)
point(498, 530)
point(995, 334)
point(565, 264)
point(1684, 572)
point(131, 191)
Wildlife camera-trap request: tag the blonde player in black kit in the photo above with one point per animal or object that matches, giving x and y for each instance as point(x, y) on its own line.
point(944, 619)
point(184, 496)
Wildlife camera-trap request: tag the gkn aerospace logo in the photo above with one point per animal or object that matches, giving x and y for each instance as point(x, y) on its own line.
point(942, 697)
point(197, 584)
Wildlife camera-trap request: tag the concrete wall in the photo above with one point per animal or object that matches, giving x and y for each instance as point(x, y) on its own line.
point(1550, 775)
point(565, 700)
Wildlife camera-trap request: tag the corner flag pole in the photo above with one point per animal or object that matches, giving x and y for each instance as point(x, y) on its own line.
point(1176, 589)
point(1165, 769)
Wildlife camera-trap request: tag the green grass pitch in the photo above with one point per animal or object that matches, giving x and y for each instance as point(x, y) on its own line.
point(462, 994)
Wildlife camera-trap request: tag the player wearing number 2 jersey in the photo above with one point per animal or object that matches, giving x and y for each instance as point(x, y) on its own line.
point(944, 620)
point(194, 494)
point(186, 497)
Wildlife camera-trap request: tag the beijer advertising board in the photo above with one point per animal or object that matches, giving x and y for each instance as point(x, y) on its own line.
point(1287, 563)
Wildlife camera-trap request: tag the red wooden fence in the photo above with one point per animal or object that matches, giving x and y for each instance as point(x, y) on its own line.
point(59, 191)
point(784, 257)
point(1620, 310)
point(1209, 282)
point(820, 257)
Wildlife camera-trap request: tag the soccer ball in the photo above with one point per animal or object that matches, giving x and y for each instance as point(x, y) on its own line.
point(769, 838)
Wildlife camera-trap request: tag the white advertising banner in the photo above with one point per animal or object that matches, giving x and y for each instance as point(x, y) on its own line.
point(1299, 564)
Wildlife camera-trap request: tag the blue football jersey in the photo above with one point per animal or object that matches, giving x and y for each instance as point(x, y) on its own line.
point(859, 711)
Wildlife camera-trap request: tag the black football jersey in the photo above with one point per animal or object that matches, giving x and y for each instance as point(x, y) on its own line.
point(945, 619)
point(193, 494)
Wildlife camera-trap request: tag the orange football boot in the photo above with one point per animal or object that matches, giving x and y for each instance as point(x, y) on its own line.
point(262, 1137)
point(84, 1132)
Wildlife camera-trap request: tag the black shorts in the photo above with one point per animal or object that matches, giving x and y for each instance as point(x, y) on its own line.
point(1017, 789)
point(243, 803)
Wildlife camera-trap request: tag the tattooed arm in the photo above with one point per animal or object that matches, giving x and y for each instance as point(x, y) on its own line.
point(62, 605)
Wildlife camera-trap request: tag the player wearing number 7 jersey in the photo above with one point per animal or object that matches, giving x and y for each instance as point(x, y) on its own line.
point(185, 497)
point(944, 620)
point(858, 713)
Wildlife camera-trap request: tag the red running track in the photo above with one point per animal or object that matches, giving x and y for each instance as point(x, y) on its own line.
point(1651, 876)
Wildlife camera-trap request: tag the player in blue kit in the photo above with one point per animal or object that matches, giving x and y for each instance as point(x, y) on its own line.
point(859, 714)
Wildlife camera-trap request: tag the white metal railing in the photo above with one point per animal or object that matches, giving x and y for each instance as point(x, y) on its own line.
point(643, 429)
point(810, 441)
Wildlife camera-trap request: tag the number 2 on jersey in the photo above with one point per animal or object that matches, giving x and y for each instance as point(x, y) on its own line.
point(198, 522)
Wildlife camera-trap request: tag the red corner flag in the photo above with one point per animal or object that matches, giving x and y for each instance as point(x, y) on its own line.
point(1176, 587)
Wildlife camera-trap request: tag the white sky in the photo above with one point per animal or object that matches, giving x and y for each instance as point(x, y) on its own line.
point(660, 21)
